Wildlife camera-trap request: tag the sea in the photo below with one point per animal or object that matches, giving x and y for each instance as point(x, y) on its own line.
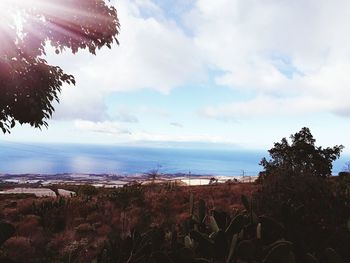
point(29, 158)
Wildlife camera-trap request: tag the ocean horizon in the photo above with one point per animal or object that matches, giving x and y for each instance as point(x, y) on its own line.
point(23, 158)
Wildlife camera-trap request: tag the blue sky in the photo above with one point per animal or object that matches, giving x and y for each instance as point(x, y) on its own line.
point(227, 72)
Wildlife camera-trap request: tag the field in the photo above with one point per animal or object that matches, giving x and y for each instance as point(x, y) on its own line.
point(302, 219)
point(76, 229)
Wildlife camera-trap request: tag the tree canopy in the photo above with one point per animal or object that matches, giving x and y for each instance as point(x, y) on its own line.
point(301, 157)
point(28, 84)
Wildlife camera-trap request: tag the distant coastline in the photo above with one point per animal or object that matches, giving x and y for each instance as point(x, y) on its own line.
point(115, 180)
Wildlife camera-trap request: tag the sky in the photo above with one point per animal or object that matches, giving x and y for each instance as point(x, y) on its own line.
point(239, 73)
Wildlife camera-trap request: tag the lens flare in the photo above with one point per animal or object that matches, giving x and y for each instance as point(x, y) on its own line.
point(73, 24)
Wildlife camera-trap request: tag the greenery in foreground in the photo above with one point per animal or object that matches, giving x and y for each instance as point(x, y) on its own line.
point(29, 85)
point(297, 213)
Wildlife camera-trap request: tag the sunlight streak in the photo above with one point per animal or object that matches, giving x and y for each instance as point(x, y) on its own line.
point(28, 24)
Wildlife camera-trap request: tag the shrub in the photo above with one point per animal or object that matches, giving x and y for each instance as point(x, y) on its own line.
point(84, 228)
point(300, 158)
point(28, 225)
point(87, 190)
point(6, 231)
point(19, 249)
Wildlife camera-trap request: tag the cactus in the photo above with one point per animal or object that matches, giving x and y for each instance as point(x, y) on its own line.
point(205, 244)
point(248, 205)
point(201, 210)
point(221, 219)
point(220, 246)
point(245, 202)
point(332, 256)
point(279, 253)
point(258, 231)
point(311, 259)
point(232, 248)
point(213, 225)
point(236, 225)
point(216, 238)
point(191, 204)
point(183, 255)
point(160, 257)
point(188, 241)
point(246, 250)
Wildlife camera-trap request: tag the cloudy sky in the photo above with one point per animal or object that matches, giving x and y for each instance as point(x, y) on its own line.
point(237, 72)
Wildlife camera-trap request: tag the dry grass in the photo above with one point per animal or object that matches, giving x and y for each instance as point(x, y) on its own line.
point(62, 230)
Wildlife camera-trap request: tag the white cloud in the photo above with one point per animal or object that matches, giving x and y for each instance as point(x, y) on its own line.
point(78, 102)
point(108, 127)
point(265, 107)
point(290, 57)
point(125, 115)
point(118, 133)
point(153, 53)
point(163, 137)
point(276, 49)
point(176, 124)
point(152, 110)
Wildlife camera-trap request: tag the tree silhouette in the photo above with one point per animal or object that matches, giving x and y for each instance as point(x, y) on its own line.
point(154, 173)
point(28, 84)
point(301, 157)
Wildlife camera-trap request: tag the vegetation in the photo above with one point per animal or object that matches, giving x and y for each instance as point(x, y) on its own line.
point(296, 188)
point(204, 229)
point(294, 213)
point(300, 158)
point(28, 84)
point(154, 173)
point(78, 229)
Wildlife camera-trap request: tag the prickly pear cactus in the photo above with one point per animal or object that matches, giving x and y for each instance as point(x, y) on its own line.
point(332, 256)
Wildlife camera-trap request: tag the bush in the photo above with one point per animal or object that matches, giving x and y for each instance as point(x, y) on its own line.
point(87, 190)
point(84, 228)
point(296, 188)
point(19, 249)
point(300, 158)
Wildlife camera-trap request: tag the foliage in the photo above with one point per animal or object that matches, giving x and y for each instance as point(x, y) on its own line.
point(73, 229)
point(87, 190)
point(209, 224)
point(6, 231)
point(297, 189)
point(154, 173)
point(300, 158)
point(342, 187)
point(299, 174)
point(28, 84)
point(213, 180)
point(125, 195)
point(213, 237)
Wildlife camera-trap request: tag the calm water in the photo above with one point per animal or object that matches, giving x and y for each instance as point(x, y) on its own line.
point(17, 158)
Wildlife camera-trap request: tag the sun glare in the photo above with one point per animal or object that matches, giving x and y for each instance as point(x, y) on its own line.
point(6, 11)
point(9, 8)
point(42, 20)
